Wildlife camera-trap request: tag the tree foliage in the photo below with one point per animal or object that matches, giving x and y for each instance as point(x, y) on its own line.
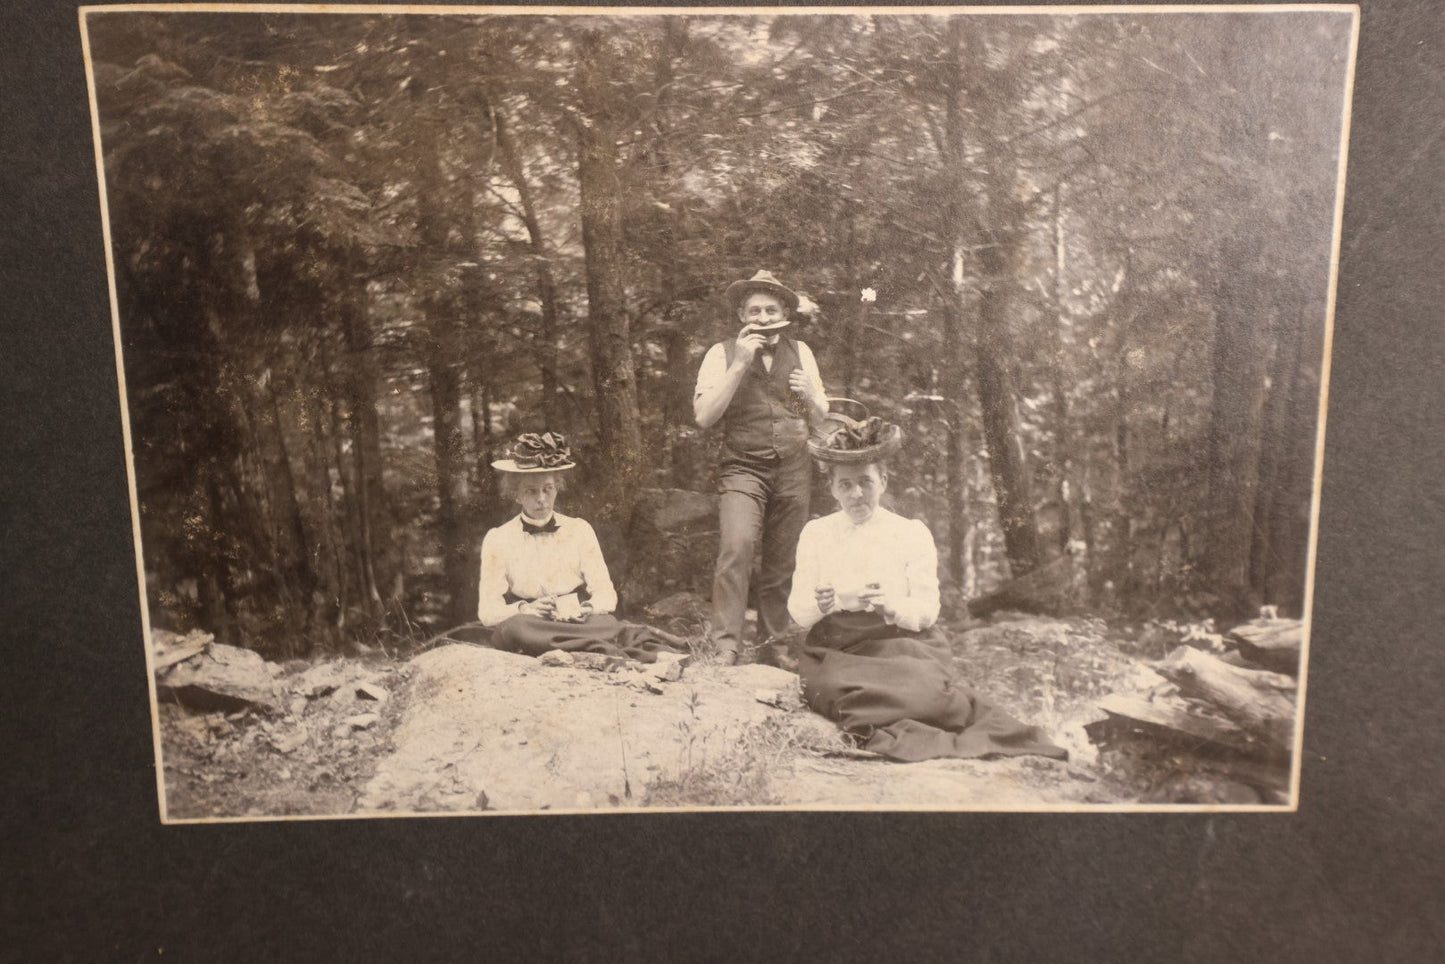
point(1082, 259)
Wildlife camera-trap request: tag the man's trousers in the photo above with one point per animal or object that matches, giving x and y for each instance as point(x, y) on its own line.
point(763, 505)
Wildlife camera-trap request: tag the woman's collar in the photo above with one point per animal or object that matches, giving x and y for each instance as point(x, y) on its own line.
point(871, 520)
point(523, 517)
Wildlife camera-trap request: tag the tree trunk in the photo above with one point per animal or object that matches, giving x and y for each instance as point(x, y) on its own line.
point(1274, 456)
point(954, 313)
point(1120, 548)
point(677, 403)
point(958, 523)
point(1086, 523)
point(546, 343)
point(450, 453)
point(267, 500)
point(1001, 431)
point(214, 585)
point(1233, 449)
point(854, 314)
point(1294, 495)
point(1279, 552)
point(677, 394)
point(331, 531)
point(481, 424)
point(1245, 320)
point(301, 577)
point(956, 444)
point(354, 536)
point(999, 242)
point(610, 336)
point(968, 581)
point(1071, 525)
point(441, 207)
point(1067, 492)
point(368, 495)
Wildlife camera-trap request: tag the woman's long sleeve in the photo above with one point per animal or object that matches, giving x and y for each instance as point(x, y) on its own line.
point(919, 608)
point(594, 570)
point(802, 603)
point(492, 586)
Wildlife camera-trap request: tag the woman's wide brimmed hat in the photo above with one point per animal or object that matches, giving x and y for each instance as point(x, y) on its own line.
point(534, 452)
point(844, 440)
point(763, 281)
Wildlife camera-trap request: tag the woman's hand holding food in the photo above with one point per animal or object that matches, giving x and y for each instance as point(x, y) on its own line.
point(875, 599)
point(546, 607)
point(827, 598)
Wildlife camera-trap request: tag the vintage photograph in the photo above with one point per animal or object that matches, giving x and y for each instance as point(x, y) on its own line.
point(543, 411)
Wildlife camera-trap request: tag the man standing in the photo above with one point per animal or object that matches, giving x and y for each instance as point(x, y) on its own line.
point(764, 389)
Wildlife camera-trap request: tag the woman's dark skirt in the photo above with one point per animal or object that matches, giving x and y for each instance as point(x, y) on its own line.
point(895, 690)
point(597, 633)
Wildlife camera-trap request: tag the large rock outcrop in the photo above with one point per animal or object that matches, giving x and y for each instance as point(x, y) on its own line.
point(488, 730)
point(491, 730)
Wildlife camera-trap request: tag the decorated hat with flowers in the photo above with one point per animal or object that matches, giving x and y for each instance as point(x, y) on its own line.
point(847, 440)
point(538, 452)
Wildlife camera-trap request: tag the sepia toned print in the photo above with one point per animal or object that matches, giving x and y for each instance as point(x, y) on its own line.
point(537, 411)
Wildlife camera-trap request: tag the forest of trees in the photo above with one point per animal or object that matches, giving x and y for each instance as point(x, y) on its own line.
point(1083, 260)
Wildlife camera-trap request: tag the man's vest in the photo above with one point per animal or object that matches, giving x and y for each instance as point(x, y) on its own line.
point(764, 420)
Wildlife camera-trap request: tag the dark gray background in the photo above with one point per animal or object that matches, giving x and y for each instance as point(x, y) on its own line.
point(87, 872)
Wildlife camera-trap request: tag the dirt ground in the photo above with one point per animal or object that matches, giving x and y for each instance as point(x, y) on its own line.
point(466, 729)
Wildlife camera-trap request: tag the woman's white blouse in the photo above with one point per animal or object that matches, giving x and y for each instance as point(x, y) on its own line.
point(895, 552)
point(532, 566)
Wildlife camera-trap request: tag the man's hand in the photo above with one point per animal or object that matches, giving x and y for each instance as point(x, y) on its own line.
point(809, 388)
point(827, 598)
point(713, 399)
point(750, 342)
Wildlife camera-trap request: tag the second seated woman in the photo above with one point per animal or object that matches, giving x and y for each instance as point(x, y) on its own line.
point(544, 584)
point(866, 587)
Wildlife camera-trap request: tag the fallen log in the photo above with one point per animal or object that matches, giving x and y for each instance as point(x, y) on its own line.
point(1261, 702)
point(1271, 643)
point(1169, 721)
point(1175, 722)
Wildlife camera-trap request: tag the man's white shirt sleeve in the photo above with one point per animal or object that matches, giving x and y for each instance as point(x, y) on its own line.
point(714, 367)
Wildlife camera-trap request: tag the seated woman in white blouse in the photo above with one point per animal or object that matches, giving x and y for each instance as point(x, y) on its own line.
point(544, 584)
point(866, 588)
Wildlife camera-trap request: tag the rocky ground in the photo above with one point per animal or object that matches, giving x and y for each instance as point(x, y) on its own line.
point(306, 753)
point(463, 728)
